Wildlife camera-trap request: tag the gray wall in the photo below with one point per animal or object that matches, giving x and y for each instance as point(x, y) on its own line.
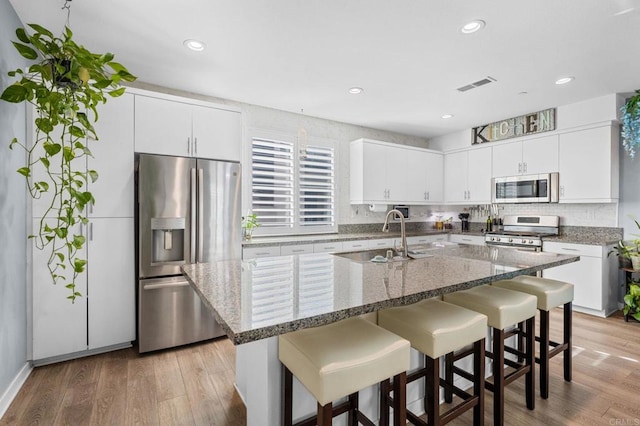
point(13, 214)
point(629, 194)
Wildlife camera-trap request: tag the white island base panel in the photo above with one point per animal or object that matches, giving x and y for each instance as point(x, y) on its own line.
point(259, 376)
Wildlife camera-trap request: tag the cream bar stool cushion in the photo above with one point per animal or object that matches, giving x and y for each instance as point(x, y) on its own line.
point(434, 327)
point(336, 360)
point(550, 293)
point(502, 307)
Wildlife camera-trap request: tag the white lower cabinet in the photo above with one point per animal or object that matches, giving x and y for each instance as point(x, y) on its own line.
point(595, 276)
point(59, 326)
point(105, 314)
point(426, 239)
point(334, 246)
point(476, 240)
point(111, 282)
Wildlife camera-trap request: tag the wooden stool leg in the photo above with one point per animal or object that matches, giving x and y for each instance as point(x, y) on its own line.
point(544, 354)
point(384, 403)
point(498, 377)
point(353, 409)
point(448, 377)
point(325, 414)
point(287, 409)
point(432, 391)
point(530, 381)
point(478, 383)
point(567, 339)
point(520, 341)
point(400, 399)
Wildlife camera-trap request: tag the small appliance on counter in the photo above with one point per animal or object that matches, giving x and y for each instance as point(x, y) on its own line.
point(187, 211)
point(464, 221)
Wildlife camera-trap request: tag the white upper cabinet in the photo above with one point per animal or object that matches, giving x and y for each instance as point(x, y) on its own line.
point(588, 165)
point(388, 173)
point(378, 172)
point(467, 176)
point(113, 159)
point(424, 177)
point(180, 128)
point(532, 156)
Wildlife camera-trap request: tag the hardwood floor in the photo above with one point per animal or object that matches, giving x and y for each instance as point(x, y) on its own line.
point(193, 385)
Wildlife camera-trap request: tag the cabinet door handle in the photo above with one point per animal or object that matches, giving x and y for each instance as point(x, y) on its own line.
point(188, 146)
point(297, 251)
point(195, 146)
point(90, 231)
point(569, 249)
point(519, 167)
point(425, 195)
point(428, 195)
point(524, 168)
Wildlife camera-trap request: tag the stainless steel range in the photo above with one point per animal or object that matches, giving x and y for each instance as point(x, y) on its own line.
point(524, 231)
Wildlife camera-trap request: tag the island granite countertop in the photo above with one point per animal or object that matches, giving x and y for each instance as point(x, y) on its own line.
point(265, 297)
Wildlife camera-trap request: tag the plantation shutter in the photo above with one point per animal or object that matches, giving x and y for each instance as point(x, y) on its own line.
point(317, 187)
point(272, 196)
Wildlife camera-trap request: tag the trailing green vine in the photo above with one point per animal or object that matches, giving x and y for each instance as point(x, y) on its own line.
point(65, 85)
point(630, 115)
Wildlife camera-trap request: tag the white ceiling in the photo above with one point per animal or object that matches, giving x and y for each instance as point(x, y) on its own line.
point(408, 55)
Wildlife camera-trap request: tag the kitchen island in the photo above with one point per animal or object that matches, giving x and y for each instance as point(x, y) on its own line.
point(256, 300)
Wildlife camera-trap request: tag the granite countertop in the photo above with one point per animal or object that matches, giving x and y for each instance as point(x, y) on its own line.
point(327, 238)
point(265, 297)
point(573, 235)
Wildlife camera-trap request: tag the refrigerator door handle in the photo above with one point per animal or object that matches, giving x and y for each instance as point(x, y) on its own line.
point(200, 214)
point(192, 234)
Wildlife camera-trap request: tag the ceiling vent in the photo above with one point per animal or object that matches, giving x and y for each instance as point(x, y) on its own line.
point(475, 84)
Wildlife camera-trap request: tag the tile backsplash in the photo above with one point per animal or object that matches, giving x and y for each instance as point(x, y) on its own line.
point(596, 215)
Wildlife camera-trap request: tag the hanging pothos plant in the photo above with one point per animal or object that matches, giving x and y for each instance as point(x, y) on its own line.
point(630, 112)
point(65, 85)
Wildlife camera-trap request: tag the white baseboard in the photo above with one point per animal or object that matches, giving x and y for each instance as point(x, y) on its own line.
point(14, 388)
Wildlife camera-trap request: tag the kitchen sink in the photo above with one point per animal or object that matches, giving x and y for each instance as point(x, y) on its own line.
point(369, 255)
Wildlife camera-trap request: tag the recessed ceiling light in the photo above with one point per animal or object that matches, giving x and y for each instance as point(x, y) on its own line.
point(445, 116)
point(523, 93)
point(356, 90)
point(624, 12)
point(195, 45)
point(473, 26)
point(564, 80)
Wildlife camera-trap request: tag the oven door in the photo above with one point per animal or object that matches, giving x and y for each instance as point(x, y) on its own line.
point(542, 188)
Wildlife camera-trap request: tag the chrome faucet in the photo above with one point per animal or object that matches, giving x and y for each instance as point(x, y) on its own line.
point(402, 250)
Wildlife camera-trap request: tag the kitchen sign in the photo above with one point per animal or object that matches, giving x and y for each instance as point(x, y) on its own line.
point(523, 125)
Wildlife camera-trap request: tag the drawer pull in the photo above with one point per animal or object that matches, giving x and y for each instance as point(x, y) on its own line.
point(569, 249)
point(297, 251)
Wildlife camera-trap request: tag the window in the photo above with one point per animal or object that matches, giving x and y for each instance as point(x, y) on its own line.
point(293, 190)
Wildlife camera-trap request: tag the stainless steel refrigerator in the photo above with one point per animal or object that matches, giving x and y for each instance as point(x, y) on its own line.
point(188, 211)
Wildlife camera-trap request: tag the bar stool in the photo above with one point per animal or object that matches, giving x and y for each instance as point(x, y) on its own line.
point(436, 328)
point(338, 360)
point(550, 294)
point(503, 308)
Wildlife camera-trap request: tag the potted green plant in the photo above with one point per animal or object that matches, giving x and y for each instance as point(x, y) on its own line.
point(66, 83)
point(249, 224)
point(630, 117)
point(632, 302)
point(623, 251)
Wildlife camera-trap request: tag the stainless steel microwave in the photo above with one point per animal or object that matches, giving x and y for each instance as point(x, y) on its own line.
point(542, 188)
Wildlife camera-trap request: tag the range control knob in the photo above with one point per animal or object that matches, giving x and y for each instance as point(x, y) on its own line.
point(530, 241)
point(510, 240)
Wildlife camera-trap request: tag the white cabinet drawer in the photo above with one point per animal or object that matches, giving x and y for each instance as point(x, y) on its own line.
point(575, 249)
point(355, 245)
point(254, 252)
point(296, 249)
point(384, 243)
point(426, 239)
point(467, 239)
point(327, 247)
